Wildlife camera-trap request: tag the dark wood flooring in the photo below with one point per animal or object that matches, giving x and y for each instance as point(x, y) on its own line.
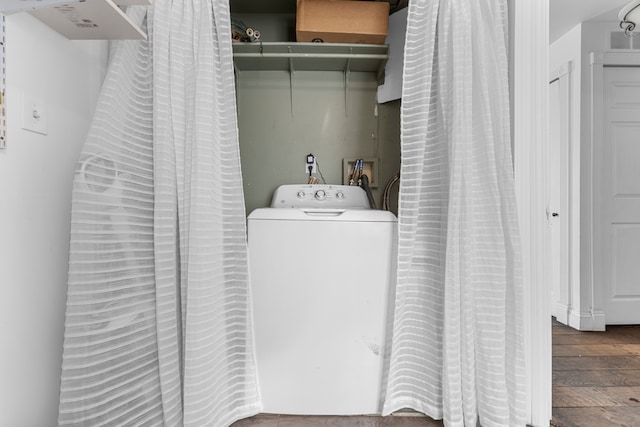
point(596, 383)
point(265, 420)
point(596, 377)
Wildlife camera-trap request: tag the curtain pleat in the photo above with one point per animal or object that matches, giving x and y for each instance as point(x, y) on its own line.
point(199, 179)
point(110, 371)
point(457, 349)
point(158, 326)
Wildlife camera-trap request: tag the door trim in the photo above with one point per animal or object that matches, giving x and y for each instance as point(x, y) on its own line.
point(530, 74)
point(564, 307)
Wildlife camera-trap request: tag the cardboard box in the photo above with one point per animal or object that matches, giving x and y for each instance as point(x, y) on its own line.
point(342, 21)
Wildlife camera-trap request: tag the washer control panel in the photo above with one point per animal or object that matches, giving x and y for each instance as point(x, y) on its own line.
point(320, 196)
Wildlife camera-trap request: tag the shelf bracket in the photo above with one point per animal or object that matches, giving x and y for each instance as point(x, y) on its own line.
point(292, 72)
point(3, 84)
point(380, 74)
point(347, 73)
point(236, 75)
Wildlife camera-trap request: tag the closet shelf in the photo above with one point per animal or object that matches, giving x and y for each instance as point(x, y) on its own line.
point(310, 57)
point(80, 19)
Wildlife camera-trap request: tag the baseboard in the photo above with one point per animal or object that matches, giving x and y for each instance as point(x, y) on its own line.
point(561, 313)
point(599, 321)
point(590, 321)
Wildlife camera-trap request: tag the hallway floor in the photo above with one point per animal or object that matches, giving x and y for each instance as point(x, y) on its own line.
point(596, 377)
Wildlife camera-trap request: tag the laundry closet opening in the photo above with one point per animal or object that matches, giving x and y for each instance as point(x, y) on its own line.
point(285, 114)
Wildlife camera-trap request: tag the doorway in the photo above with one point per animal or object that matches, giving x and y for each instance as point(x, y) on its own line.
point(557, 211)
point(616, 160)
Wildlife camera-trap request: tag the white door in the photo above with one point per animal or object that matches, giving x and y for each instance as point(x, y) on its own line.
point(557, 164)
point(620, 195)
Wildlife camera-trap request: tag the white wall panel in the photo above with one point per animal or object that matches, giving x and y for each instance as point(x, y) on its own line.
point(36, 173)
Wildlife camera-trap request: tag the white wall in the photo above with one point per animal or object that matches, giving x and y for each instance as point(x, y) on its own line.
point(36, 173)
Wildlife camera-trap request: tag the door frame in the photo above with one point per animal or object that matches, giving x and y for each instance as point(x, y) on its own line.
point(597, 284)
point(562, 309)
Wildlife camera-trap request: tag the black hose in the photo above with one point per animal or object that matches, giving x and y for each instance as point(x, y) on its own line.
point(364, 183)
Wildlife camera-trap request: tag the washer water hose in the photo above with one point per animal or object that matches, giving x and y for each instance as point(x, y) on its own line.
point(364, 184)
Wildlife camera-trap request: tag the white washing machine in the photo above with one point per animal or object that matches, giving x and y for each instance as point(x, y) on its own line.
point(322, 268)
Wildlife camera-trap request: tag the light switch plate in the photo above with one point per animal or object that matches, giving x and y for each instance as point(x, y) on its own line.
point(34, 114)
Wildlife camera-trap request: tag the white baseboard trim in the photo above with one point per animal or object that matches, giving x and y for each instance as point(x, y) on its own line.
point(561, 313)
point(599, 321)
point(590, 321)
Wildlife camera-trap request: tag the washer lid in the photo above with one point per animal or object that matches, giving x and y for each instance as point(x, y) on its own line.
point(320, 197)
point(315, 214)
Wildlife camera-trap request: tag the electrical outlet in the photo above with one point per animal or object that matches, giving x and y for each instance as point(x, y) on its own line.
point(310, 162)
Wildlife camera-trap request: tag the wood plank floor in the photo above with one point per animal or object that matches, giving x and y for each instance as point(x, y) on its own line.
point(596, 383)
point(596, 377)
point(266, 420)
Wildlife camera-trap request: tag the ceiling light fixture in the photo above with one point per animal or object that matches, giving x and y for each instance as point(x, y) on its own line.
point(629, 17)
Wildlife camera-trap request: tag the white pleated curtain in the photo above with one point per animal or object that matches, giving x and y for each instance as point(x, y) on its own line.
point(158, 322)
point(457, 351)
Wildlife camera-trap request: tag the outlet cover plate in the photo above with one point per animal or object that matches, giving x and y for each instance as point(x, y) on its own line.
point(34, 114)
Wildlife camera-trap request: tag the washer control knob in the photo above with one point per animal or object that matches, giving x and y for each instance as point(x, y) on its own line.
point(320, 195)
point(300, 194)
point(339, 195)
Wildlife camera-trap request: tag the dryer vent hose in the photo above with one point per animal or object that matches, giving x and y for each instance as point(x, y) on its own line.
point(364, 183)
point(395, 180)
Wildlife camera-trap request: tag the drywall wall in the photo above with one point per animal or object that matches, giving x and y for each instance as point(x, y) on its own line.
point(389, 150)
point(273, 27)
point(36, 173)
point(279, 126)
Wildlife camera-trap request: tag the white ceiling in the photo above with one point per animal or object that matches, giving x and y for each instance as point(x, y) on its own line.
point(566, 14)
